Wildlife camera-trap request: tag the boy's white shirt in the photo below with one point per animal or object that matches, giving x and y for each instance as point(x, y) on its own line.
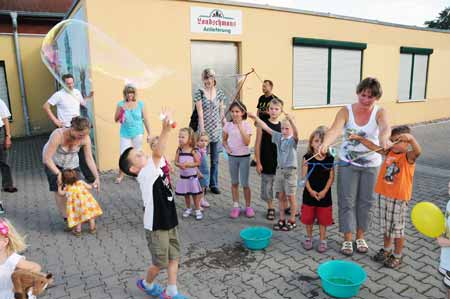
point(146, 178)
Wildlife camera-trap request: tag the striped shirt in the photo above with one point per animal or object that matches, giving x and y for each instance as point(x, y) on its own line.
point(211, 113)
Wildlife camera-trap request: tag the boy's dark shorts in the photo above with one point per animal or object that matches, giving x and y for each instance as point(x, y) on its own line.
point(164, 246)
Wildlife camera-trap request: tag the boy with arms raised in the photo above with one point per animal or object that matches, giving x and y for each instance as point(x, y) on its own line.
point(160, 216)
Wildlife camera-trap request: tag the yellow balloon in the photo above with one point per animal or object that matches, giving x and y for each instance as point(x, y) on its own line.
point(428, 219)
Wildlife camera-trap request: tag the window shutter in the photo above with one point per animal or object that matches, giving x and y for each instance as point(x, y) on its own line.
point(419, 77)
point(345, 75)
point(310, 76)
point(404, 77)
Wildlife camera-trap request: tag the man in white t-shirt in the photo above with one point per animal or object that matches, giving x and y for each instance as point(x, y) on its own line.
point(68, 106)
point(67, 103)
point(5, 145)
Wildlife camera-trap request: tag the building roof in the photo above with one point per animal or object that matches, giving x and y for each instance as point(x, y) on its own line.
point(47, 6)
point(33, 16)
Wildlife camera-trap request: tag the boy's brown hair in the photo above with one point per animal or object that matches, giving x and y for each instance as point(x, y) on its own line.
point(400, 130)
point(372, 85)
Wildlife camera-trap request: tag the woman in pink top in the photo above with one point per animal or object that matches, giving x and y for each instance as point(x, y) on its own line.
point(236, 138)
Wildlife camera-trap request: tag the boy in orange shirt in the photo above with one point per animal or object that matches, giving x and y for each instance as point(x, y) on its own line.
point(394, 186)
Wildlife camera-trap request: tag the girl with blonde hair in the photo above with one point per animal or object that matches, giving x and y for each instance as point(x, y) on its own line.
point(11, 242)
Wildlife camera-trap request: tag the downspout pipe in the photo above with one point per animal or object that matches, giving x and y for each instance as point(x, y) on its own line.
point(23, 95)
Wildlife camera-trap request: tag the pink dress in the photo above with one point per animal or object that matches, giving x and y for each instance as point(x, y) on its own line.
point(188, 183)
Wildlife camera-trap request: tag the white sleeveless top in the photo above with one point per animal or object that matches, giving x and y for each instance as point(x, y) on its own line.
point(352, 149)
point(6, 269)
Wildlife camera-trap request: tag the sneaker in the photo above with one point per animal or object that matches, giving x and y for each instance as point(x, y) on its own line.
point(308, 244)
point(198, 215)
point(442, 271)
point(187, 213)
point(322, 246)
point(447, 279)
point(249, 212)
point(204, 203)
point(381, 255)
point(2, 210)
point(177, 296)
point(156, 290)
point(235, 212)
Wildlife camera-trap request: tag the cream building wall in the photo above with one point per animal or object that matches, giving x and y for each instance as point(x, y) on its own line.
point(39, 84)
point(158, 32)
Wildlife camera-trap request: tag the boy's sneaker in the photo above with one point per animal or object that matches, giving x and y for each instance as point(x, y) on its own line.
point(187, 213)
point(198, 215)
point(235, 212)
point(447, 279)
point(204, 203)
point(381, 255)
point(177, 296)
point(156, 290)
point(2, 210)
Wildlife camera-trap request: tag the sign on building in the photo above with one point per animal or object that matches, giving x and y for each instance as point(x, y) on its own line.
point(214, 20)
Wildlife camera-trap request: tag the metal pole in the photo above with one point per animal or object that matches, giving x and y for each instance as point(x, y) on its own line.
point(26, 115)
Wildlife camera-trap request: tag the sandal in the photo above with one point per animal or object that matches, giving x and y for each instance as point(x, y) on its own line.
point(93, 230)
point(118, 180)
point(361, 246)
point(279, 225)
point(76, 233)
point(347, 248)
point(291, 225)
point(392, 262)
point(270, 214)
point(381, 256)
